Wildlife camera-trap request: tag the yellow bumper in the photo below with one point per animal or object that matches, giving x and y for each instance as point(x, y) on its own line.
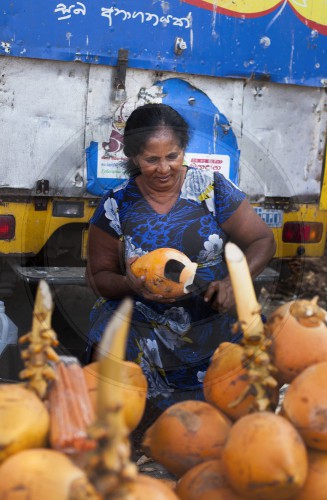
point(34, 227)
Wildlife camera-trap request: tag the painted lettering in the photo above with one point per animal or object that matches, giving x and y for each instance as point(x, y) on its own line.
point(78, 8)
point(148, 17)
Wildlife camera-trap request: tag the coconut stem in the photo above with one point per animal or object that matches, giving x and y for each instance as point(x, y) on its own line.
point(248, 308)
point(39, 354)
point(308, 313)
point(255, 342)
point(109, 465)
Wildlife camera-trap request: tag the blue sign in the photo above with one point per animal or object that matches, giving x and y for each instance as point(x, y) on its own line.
point(284, 42)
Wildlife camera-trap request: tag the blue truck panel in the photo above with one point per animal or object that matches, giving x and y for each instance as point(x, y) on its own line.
point(286, 42)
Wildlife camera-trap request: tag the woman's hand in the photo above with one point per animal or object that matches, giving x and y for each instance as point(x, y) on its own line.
point(138, 286)
point(220, 295)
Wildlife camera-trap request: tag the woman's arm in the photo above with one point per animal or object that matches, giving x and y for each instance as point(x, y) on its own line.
point(103, 271)
point(248, 231)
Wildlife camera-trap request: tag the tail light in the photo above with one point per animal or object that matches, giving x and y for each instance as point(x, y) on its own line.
point(7, 227)
point(302, 232)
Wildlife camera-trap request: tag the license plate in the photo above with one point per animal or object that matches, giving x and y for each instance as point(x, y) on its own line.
point(273, 218)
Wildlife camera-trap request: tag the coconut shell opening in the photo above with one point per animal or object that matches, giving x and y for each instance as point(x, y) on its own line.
point(173, 270)
point(167, 271)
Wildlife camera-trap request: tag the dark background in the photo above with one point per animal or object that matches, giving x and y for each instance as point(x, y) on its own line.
point(70, 320)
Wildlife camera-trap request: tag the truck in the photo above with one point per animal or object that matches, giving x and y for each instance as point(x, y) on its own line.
point(249, 77)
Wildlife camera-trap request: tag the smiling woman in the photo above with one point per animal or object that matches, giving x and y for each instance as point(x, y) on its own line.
point(161, 164)
point(166, 204)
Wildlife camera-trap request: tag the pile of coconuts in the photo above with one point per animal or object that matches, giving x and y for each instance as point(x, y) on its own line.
point(29, 468)
point(29, 465)
point(230, 447)
point(227, 447)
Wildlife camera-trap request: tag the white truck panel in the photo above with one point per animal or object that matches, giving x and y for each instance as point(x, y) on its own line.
point(42, 119)
point(50, 111)
point(283, 138)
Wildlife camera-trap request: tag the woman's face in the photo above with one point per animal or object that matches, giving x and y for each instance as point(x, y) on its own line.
point(161, 160)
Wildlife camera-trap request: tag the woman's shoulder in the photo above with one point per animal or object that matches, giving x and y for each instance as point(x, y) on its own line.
point(195, 173)
point(212, 188)
point(223, 184)
point(205, 177)
point(119, 192)
point(126, 184)
point(111, 199)
point(200, 182)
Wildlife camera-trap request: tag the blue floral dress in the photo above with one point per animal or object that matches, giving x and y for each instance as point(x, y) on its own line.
point(173, 343)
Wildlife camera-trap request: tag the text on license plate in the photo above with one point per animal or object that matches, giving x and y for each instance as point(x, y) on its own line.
point(273, 218)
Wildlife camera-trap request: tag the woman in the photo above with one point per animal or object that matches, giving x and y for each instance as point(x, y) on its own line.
point(167, 204)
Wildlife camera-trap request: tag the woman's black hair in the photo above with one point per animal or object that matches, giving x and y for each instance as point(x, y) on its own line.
point(143, 122)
